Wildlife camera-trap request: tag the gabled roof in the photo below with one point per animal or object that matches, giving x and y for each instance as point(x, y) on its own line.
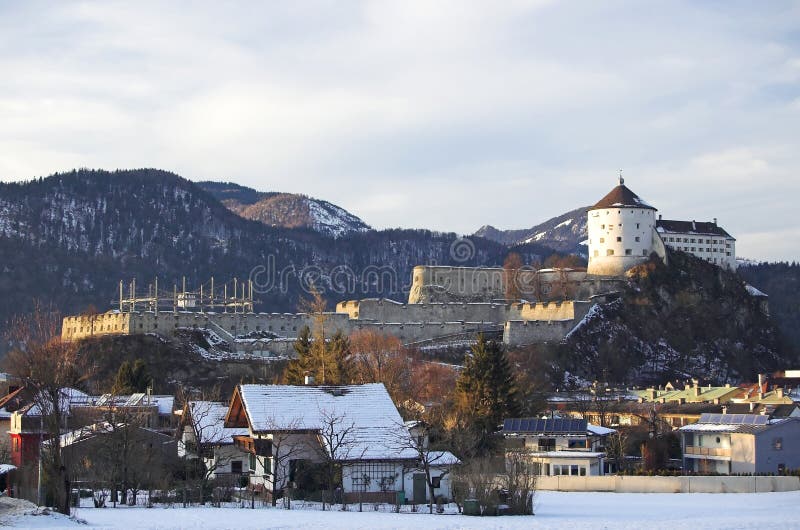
point(621, 197)
point(208, 420)
point(691, 227)
point(364, 413)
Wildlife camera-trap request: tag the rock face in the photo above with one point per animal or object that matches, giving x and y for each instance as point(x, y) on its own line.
point(689, 319)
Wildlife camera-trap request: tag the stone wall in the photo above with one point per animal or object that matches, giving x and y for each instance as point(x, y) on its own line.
point(438, 284)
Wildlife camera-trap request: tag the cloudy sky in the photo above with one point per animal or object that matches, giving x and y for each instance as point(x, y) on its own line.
point(444, 115)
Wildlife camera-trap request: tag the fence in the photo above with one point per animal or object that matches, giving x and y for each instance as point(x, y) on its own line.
point(693, 484)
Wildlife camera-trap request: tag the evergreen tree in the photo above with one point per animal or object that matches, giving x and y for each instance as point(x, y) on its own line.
point(486, 392)
point(131, 378)
point(296, 369)
point(329, 362)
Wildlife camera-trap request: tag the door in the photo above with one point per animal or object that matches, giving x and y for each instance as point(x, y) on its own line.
point(419, 488)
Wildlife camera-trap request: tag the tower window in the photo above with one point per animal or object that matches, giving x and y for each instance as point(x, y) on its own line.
point(628, 252)
point(596, 253)
point(619, 239)
point(644, 252)
point(610, 252)
point(602, 240)
point(602, 227)
point(637, 225)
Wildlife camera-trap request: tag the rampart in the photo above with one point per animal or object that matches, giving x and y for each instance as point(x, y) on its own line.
point(438, 284)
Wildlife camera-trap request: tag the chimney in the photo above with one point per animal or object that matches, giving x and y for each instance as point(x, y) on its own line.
point(309, 380)
point(724, 409)
point(779, 392)
point(752, 406)
point(715, 221)
point(761, 378)
point(659, 217)
point(694, 225)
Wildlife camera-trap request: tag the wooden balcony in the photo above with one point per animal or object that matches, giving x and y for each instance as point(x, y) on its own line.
point(707, 451)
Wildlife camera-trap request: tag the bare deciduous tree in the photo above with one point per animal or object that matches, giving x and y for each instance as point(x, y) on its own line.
point(338, 443)
point(48, 366)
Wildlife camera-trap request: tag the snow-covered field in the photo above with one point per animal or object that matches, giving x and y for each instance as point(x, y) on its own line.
point(695, 511)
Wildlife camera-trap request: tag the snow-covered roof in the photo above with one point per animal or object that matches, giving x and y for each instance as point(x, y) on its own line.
point(567, 454)
point(5, 468)
point(209, 420)
point(599, 430)
point(364, 413)
point(442, 458)
point(69, 396)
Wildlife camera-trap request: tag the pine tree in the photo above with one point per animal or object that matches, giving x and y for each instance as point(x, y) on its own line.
point(485, 390)
point(131, 378)
point(296, 369)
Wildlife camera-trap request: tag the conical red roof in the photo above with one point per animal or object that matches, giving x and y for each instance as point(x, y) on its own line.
point(621, 197)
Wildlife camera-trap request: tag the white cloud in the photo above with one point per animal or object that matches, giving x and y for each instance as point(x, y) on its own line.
point(502, 113)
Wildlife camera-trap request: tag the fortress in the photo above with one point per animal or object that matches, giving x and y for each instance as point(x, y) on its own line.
point(444, 303)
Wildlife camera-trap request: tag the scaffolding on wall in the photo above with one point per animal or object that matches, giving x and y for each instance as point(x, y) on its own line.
point(207, 297)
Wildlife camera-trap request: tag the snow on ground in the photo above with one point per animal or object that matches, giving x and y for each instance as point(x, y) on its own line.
point(675, 511)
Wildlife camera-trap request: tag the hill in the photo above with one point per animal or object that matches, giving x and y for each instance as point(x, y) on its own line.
point(285, 209)
point(563, 233)
point(691, 319)
point(71, 237)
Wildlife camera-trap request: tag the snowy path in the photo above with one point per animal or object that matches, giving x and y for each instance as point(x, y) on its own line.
point(637, 511)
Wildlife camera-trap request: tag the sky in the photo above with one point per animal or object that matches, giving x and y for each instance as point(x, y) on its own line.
point(445, 115)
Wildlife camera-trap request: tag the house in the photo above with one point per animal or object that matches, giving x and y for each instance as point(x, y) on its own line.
point(706, 240)
point(690, 393)
point(295, 433)
point(25, 426)
point(559, 446)
point(150, 411)
point(99, 453)
point(204, 435)
point(741, 443)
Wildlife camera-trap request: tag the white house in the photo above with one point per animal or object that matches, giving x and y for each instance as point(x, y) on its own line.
point(205, 436)
point(707, 241)
point(741, 443)
point(559, 446)
point(291, 430)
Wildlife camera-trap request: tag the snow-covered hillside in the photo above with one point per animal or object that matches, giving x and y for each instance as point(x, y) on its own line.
point(287, 210)
point(564, 233)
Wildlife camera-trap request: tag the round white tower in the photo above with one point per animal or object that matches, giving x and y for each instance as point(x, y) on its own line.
point(621, 232)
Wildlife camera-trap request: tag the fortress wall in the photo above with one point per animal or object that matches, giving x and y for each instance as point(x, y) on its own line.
point(82, 326)
point(523, 332)
point(416, 332)
point(390, 311)
point(459, 283)
point(436, 284)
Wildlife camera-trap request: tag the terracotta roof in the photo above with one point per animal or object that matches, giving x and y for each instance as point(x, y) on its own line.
point(621, 196)
point(691, 227)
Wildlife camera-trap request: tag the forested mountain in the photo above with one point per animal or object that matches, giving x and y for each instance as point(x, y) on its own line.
point(563, 233)
point(288, 210)
point(69, 239)
point(781, 281)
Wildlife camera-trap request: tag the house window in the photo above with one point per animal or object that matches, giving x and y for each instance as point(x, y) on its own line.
point(777, 444)
point(577, 444)
point(375, 476)
point(628, 252)
point(547, 444)
point(638, 239)
point(252, 462)
point(583, 471)
point(436, 481)
point(236, 467)
point(573, 470)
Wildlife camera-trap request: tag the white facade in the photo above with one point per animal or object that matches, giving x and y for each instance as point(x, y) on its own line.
point(621, 229)
point(619, 238)
point(713, 246)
